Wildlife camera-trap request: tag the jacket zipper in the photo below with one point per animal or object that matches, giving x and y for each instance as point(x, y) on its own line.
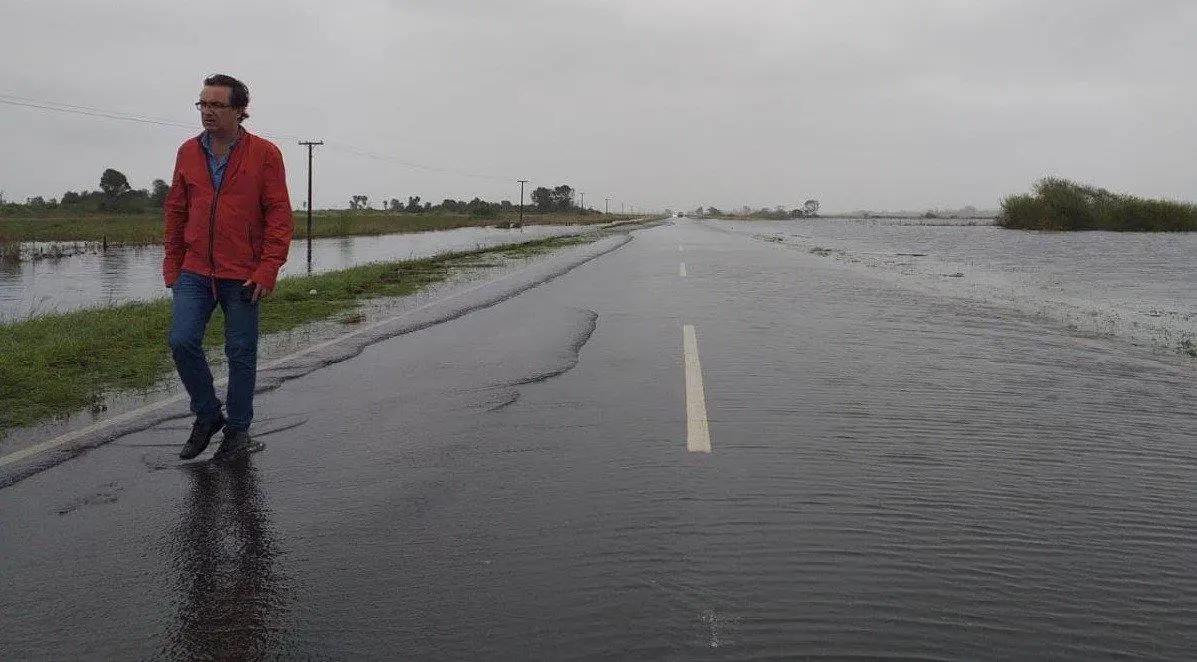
point(212, 240)
point(212, 215)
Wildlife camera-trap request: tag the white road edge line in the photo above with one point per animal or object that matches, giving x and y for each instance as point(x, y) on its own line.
point(681, 269)
point(39, 448)
point(698, 431)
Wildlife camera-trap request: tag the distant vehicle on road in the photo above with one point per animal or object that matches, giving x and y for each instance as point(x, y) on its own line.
point(681, 214)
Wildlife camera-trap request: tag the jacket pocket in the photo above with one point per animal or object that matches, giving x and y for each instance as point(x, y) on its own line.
point(233, 244)
point(193, 231)
point(254, 231)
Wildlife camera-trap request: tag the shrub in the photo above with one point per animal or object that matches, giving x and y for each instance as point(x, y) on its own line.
point(1060, 204)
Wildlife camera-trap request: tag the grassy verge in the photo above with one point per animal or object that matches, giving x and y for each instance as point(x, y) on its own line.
point(147, 228)
point(1059, 204)
point(65, 362)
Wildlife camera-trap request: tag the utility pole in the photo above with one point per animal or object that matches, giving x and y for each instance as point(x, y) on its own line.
point(583, 194)
point(606, 205)
point(622, 208)
point(522, 182)
point(310, 144)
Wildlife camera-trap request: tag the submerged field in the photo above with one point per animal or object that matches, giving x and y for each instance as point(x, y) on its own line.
point(1135, 286)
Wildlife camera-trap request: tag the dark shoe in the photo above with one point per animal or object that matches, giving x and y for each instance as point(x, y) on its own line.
point(236, 443)
point(202, 431)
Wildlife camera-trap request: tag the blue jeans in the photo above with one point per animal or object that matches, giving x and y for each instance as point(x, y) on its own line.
point(190, 313)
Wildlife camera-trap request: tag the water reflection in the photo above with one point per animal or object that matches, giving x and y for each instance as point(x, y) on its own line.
point(10, 260)
point(231, 597)
point(113, 265)
point(345, 249)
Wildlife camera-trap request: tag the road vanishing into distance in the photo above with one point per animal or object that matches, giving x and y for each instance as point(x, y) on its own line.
point(696, 446)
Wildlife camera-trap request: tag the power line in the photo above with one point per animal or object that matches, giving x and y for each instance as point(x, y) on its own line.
point(357, 151)
point(90, 111)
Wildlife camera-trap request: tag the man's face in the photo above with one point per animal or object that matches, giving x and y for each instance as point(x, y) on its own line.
point(217, 115)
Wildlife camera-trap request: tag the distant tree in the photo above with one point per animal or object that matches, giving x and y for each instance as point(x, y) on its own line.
point(114, 184)
point(427, 206)
point(133, 201)
point(542, 197)
point(395, 205)
point(38, 201)
point(413, 204)
point(158, 192)
point(563, 197)
point(479, 208)
point(71, 198)
point(810, 207)
point(713, 211)
point(359, 202)
point(454, 206)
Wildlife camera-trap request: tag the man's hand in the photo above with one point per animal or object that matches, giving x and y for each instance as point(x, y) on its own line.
point(259, 291)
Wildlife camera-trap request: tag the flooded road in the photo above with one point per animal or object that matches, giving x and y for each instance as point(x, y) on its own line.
point(891, 473)
point(90, 278)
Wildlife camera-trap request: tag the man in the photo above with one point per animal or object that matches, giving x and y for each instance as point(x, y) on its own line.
point(228, 228)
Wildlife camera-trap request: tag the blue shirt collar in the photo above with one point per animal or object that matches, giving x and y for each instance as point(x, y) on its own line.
point(217, 164)
point(206, 141)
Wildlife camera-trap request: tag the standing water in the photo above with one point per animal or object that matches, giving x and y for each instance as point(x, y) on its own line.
point(94, 278)
point(1137, 286)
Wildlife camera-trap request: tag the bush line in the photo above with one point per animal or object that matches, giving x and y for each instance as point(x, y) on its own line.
point(1060, 204)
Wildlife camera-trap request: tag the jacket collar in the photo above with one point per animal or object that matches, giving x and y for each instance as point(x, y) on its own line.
point(236, 155)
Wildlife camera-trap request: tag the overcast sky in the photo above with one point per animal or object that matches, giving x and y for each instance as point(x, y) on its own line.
point(906, 104)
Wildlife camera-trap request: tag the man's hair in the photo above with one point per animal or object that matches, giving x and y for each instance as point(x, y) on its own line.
point(239, 98)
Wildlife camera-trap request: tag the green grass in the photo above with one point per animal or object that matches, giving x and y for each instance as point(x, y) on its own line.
point(147, 228)
point(64, 362)
point(1060, 204)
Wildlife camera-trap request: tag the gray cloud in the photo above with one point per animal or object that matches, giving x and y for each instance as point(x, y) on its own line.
point(863, 104)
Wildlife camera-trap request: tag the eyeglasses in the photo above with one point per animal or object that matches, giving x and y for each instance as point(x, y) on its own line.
point(211, 105)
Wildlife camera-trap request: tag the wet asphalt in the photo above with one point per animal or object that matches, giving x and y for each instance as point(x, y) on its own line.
point(891, 475)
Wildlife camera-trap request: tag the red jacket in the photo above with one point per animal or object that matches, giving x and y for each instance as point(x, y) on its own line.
point(241, 232)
